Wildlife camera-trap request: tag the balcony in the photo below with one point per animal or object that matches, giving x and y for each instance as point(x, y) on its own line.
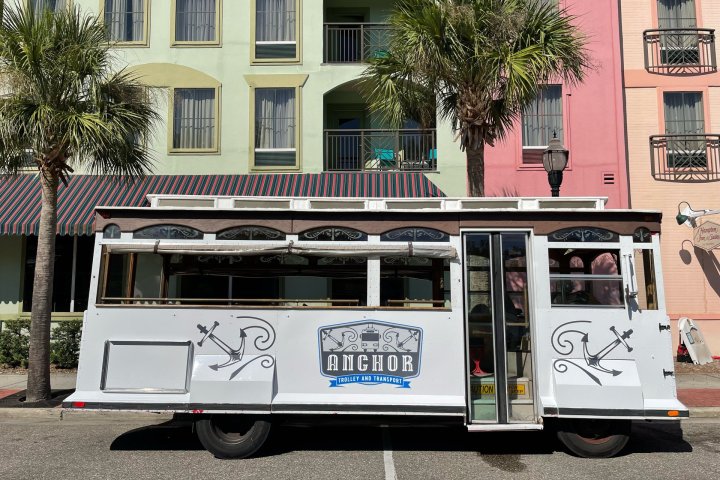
point(355, 42)
point(685, 158)
point(380, 150)
point(680, 51)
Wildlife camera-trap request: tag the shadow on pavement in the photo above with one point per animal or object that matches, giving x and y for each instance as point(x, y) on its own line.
point(166, 436)
point(646, 438)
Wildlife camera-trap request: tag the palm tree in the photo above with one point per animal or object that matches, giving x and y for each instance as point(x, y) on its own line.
point(64, 106)
point(478, 62)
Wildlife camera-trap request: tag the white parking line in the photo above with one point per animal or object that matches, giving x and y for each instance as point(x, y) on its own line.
point(388, 455)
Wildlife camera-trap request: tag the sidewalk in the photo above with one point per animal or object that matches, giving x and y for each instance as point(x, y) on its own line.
point(700, 392)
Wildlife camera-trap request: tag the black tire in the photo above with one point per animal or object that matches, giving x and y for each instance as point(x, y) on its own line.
point(594, 438)
point(232, 436)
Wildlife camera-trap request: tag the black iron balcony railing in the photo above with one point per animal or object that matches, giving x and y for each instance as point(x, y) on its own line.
point(686, 157)
point(378, 149)
point(355, 42)
point(680, 51)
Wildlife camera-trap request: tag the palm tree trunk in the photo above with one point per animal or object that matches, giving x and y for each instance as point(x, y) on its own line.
point(38, 387)
point(476, 171)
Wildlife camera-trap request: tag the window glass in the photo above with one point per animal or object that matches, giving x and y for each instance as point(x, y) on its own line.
point(125, 20)
point(41, 5)
point(644, 276)
point(267, 280)
point(685, 123)
point(676, 14)
point(589, 277)
point(543, 118)
point(414, 282)
point(333, 234)
point(195, 20)
point(275, 29)
point(194, 119)
point(275, 127)
point(62, 284)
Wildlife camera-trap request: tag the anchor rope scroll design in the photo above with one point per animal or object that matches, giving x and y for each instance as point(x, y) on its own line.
point(593, 361)
point(263, 340)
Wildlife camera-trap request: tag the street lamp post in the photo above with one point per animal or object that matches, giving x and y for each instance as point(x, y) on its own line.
point(555, 159)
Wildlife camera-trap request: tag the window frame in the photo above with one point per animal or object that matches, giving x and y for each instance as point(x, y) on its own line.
point(145, 42)
point(296, 81)
point(297, 59)
point(217, 42)
point(215, 149)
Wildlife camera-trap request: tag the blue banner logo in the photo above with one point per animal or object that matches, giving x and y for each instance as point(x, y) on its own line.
point(370, 353)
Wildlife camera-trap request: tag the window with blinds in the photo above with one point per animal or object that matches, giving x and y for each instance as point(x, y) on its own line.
point(275, 122)
point(685, 126)
point(194, 119)
point(196, 21)
point(39, 6)
point(276, 30)
point(541, 120)
point(125, 20)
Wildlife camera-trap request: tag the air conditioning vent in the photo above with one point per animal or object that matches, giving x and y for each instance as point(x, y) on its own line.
point(608, 179)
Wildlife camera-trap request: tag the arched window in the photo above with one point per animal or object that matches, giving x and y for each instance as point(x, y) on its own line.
point(414, 234)
point(168, 232)
point(111, 231)
point(250, 233)
point(333, 234)
point(583, 234)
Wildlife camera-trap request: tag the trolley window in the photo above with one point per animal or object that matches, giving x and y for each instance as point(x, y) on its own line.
point(414, 282)
point(261, 280)
point(588, 277)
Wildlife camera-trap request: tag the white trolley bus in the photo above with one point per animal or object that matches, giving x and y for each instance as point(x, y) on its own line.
point(497, 314)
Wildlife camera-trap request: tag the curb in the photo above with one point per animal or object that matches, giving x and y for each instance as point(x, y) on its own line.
point(704, 412)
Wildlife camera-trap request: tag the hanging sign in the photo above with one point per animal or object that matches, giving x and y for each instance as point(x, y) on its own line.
point(707, 236)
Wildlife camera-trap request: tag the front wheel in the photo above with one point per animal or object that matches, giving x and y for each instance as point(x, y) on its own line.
point(232, 436)
point(594, 438)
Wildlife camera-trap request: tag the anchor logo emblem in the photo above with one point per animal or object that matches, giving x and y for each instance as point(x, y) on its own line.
point(593, 361)
point(263, 339)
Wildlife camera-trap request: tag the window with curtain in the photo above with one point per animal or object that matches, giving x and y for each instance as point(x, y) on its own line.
point(275, 29)
point(195, 20)
point(543, 117)
point(685, 118)
point(53, 5)
point(275, 127)
point(125, 20)
point(679, 47)
point(676, 14)
point(194, 119)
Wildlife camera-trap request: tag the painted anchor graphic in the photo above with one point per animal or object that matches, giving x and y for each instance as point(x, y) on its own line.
point(263, 341)
point(593, 361)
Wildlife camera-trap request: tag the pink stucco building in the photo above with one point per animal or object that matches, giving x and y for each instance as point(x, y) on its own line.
point(588, 118)
point(672, 91)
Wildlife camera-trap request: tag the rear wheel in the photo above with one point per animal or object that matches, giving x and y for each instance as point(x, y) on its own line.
point(594, 438)
point(232, 436)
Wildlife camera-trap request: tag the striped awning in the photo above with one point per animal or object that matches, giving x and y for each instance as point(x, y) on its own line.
point(20, 196)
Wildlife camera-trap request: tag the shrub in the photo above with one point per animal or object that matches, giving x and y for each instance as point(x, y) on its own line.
point(65, 347)
point(15, 343)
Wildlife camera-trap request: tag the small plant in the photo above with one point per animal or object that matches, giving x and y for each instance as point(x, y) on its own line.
point(65, 347)
point(15, 343)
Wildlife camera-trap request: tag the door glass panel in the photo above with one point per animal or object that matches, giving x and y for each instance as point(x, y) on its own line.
point(517, 328)
point(644, 279)
point(481, 355)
